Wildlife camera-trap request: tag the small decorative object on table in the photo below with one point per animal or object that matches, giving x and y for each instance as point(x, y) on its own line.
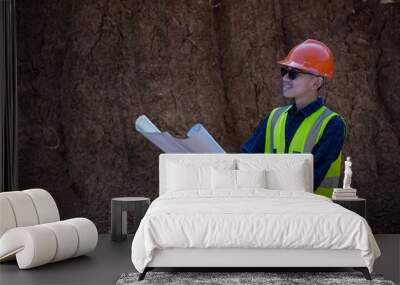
point(347, 196)
point(345, 193)
point(119, 208)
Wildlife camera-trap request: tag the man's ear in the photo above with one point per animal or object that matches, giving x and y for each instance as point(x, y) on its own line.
point(317, 84)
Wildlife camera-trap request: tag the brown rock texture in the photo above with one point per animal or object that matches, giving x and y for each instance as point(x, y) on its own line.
point(88, 69)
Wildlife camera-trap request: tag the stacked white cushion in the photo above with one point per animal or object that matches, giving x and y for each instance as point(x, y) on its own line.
point(32, 246)
point(66, 236)
point(251, 178)
point(45, 205)
point(31, 232)
point(7, 219)
point(278, 179)
point(23, 208)
point(224, 179)
point(185, 174)
point(87, 234)
point(244, 162)
point(289, 174)
point(188, 177)
point(227, 179)
point(52, 242)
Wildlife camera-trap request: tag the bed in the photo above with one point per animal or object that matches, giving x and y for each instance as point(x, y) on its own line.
point(247, 210)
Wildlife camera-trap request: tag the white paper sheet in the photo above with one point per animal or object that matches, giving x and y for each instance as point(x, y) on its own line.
point(198, 138)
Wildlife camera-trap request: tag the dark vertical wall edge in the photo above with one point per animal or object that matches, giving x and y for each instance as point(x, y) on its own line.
point(8, 85)
point(2, 90)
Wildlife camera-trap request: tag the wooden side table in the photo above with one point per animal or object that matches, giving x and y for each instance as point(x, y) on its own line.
point(119, 208)
point(357, 205)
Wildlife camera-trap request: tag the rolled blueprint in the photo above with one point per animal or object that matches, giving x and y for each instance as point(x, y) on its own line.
point(198, 138)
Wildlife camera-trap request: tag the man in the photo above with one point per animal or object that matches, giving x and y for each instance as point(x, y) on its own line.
point(307, 126)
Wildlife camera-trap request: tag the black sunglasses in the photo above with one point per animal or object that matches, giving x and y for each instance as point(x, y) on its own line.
point(293, 73)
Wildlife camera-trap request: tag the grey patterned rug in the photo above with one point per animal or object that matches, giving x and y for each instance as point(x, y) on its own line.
point(225, 278)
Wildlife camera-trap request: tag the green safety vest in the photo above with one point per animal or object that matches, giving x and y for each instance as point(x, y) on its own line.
point(303, 141)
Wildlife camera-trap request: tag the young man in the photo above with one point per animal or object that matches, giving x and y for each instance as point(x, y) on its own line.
point(307, 126)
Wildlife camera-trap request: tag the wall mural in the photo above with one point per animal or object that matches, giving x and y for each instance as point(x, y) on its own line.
point(88, 69)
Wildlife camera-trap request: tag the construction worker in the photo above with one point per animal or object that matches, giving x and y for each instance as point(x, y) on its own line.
point(306, 126)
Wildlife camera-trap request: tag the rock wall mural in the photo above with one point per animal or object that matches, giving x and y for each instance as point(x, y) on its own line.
point(89, 68)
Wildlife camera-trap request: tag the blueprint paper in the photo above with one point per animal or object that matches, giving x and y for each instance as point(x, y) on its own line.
point(198, 138)
point(143, 124)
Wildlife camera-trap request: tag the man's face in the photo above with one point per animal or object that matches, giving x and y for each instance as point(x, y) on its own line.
point(299, 86)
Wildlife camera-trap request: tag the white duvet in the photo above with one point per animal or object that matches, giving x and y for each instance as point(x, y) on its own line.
point(252, 218)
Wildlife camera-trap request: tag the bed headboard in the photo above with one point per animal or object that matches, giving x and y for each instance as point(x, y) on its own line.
point(270, 159)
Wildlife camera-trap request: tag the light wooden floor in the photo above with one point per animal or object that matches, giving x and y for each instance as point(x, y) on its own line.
point(110, 260)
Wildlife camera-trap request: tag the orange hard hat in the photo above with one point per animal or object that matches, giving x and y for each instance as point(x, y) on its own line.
point(312, 56)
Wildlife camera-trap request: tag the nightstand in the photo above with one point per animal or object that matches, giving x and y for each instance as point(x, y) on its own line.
point(119, 208)
point(357, 205)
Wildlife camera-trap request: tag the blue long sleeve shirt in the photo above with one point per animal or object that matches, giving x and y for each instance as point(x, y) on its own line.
point(325, 151)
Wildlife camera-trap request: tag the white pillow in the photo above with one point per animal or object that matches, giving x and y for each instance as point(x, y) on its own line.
point(282, 174)
point(193, 174)
point(223, 179)
point(188, 177)
point(290, 179)
point(251, 178)
point(226, 179)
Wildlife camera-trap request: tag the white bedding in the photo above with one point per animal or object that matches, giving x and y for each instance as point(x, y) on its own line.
point(251, 218)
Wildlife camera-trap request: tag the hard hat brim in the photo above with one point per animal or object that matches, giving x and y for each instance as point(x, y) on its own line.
point(295, 65)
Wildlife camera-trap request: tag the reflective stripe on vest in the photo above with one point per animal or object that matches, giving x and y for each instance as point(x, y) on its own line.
point(303, 141)
point(312, 135)
point(330, 182)
point(275, 114)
